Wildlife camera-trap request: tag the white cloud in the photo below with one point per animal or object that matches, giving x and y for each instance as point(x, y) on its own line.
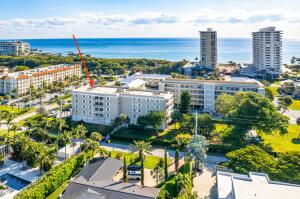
point(159, 22)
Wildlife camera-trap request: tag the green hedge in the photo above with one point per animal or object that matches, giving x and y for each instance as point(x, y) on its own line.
point(48, 183)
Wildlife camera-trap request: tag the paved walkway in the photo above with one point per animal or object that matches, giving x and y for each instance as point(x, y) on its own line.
point(292, 114)
point(30, 114)
point(205, 184)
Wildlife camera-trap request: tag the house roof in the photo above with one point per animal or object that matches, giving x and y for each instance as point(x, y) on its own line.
point(86, 194)
point(97, 176)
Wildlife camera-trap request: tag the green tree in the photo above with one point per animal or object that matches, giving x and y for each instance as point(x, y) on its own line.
point(182, 141)
point(155, 119)
point(15, 127)
point(252, 111)
point(10, 116)
point(166, 173)
point(289, 167)
point(141, 147)
point(1, 160)
point(251, 158)
point(81, 131)
point(176, 160)
point(197, 148)
point(269, 93)
point(96, 136)
point(142, 172)
point(187, 123)
point(90, 145)
point(142, 121)
point(125, 177)
point(225, 103)
point(65, 138)
point(206, 125)
point(185, 102)
point(61, 125)
point(284, 102)
point(176, 117)
point(157, 173)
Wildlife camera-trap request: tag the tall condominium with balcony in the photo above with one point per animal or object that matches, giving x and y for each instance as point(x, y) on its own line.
point(205, 92)
point(21, 81)
point(267, 51)
point(208, 48)
point(14, 48)
point(102, 105)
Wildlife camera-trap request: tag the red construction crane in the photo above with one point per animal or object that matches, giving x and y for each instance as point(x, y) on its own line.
point(91, 82)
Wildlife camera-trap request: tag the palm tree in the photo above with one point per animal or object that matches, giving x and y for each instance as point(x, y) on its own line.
point(81, 131)
point(41, 133)
point(15, 127)
point(141, 147)
point(157, 173)
point(9, 120)
point(65, 137)
point(30, 126)
point(61, 125)
point(1, 160)
point(123, 119)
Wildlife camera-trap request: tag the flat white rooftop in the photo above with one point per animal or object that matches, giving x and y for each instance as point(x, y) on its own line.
point(149, 76)
point(123, 91)
point(40, 70)
point(254, 186)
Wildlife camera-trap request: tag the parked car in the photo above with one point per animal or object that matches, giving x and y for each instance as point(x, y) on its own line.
point(134, 172)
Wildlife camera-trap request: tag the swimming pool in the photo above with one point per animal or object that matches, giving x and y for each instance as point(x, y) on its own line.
point(13, 181)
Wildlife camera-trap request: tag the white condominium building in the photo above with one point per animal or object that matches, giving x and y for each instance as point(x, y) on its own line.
point(253, 186)
point(14, 48)
point(205, 92)
point(267, 50)
point(102, 105)
point(21, 81)
point(208, 48)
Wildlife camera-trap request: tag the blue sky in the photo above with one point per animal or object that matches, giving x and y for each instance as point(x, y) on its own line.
point(145, 18)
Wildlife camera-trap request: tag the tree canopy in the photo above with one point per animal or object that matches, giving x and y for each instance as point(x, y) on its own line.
point(185, 102)
point(249, 110)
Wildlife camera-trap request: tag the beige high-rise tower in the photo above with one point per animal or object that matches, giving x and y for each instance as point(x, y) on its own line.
point(208, 48)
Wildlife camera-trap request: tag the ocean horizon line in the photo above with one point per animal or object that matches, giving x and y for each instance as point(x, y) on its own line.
point(220, 38)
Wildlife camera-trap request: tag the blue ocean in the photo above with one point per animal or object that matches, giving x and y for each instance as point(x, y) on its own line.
point(174, 49)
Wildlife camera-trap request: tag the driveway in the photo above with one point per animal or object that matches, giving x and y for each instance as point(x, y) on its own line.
point(205, 184)
point(292, 114)
point(160, 152)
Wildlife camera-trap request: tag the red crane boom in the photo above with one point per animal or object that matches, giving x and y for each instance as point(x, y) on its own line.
point(91, 82)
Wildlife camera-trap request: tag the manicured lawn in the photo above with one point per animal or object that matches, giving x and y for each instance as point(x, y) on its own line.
point(274, 90)
point(295, 105)
point(285, 143)
point(131, 158)
point(58, 191)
